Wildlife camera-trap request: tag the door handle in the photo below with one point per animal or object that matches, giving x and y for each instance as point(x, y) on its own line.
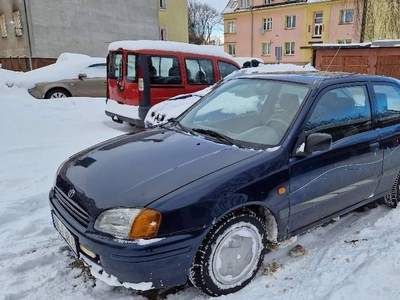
point(374, 146)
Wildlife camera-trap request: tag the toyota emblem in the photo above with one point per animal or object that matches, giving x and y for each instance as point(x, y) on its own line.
point(71, 193)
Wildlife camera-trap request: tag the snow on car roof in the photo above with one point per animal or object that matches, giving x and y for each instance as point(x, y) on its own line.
point(169, 46)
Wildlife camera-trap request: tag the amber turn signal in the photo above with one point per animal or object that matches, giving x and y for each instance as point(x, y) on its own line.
point(145, 225)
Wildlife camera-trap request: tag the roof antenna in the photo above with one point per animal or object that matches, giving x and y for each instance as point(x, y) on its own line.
point(327, 69)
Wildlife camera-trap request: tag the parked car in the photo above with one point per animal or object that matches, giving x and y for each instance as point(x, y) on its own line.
point(259, 160)
point(144, 73)
point(77, 76)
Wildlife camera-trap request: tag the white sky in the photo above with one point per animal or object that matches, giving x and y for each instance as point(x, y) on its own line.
point(218, 4)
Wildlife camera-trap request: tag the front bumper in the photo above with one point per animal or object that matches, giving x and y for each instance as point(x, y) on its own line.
point(142, 264)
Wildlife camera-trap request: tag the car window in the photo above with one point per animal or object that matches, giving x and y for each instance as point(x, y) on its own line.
point(226, 68)
point(248, 110)
point(131, 68)
point(341, 112)
point(164, 70)
point(95, 71)
point(114, 65)
point(388, 101)
point(199, 71)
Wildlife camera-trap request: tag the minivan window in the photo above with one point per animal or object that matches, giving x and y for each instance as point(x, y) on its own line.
point(164, 70)
point(131, 68)
point(199, 71)
point(388, 100)
point(226, 68)
point(115, 65)
point(341, 112)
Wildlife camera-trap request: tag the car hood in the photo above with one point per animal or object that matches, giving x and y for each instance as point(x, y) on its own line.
point(137, 169)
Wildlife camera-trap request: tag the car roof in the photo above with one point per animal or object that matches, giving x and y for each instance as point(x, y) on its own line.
point(310, 78)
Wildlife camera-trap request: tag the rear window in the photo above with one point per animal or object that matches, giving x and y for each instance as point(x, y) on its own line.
point(114, 65)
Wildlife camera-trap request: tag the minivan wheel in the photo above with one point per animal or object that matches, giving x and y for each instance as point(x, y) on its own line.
point(57, 93)
point(392, 200)
point(230, 254)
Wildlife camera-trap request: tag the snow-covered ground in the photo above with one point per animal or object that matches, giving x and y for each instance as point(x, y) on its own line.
point(357, 257)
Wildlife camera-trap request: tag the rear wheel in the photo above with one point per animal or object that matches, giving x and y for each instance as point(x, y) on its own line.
point(392, 200)
point(230, 254)
point(57, 93)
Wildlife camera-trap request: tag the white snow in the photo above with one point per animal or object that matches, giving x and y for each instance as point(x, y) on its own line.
point(357, 257)
point(68, 66)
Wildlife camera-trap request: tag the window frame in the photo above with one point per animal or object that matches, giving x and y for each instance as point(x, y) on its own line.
point(244, 3)
point(231, 27)
point(318, 23)
point(198, 60)
point(269, 47)
point(229, 47)
point(163, 4)
point(343, 16)
point(290, 22)
point(381, 123)
point(292, 47)
point(267, 23)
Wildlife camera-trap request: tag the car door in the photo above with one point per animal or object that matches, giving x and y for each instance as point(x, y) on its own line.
point(91, 81)
point(387, 96)
point(327, 182)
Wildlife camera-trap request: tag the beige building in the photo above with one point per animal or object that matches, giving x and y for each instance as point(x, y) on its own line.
point(173, 20)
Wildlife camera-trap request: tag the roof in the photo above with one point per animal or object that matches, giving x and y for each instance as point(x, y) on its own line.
point(310, 78)
point(169, 46)
point(374, 44)
point(232, 5)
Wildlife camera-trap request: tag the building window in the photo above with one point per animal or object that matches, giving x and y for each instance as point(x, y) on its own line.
point(244, 3)
point(268, 1)
point(346, 16)
point(267, 23)
point(17, 23)
point(231, 27)
point(3, 26)
point(266, 49)
point(231, 49)
point(290, 22)
point(163, 33)
point(234, 4)
point(344, 41)
point(163, 4)
point(289, 48)
point(318, 24)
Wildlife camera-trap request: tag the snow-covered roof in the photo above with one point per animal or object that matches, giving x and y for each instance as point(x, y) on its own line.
point(232, 5)
point(169, 46)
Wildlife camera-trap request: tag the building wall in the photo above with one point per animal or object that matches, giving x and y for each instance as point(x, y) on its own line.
point(88, 26)
point(12, 45)
point(175, 19)
point(248, 37)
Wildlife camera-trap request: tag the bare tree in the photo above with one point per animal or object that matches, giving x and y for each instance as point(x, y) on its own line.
point(202, 21)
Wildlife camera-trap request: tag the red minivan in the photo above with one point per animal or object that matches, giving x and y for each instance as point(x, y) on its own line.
point(143, 73)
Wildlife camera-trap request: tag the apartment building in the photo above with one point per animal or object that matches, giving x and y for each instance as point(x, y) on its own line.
point(279, 30)
point(173, 19)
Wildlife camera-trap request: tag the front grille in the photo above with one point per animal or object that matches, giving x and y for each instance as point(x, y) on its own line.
point(77, 212)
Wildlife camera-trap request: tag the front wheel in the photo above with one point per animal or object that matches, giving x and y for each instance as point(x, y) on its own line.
point(392, 200)
point(230, 254)
point(57, 93)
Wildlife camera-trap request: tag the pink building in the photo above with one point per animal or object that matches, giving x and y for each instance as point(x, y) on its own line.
point(265, 28)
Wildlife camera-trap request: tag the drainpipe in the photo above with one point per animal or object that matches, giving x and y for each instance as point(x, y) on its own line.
point(252, 31)
point(363, 21)
point(28, 35)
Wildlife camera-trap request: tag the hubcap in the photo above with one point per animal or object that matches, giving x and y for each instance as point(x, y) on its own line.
point(236, 255)
point(58, 95)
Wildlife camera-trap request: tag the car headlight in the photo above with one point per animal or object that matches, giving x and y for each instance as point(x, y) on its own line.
point(129, 223)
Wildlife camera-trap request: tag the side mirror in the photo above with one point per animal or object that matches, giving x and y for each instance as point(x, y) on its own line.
point(82, 76)
point(318, 142)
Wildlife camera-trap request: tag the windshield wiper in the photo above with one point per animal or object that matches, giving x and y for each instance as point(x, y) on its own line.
point(176, 123)
point(217, 135)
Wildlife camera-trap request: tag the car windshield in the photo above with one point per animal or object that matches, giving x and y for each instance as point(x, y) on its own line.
point(246, 112)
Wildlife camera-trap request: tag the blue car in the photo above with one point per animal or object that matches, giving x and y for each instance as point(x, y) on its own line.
point(260, 159)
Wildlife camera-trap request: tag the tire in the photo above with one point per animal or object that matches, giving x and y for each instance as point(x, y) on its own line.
point(57, 93)
point(392, 200)
point(230, 254)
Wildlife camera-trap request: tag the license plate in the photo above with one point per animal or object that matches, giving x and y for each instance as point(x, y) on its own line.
point(65, 233)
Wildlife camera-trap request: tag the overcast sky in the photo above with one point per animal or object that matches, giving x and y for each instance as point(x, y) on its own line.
point(218, 4)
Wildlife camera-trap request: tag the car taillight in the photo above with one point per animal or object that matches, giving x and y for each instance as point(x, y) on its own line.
point(141, 84)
